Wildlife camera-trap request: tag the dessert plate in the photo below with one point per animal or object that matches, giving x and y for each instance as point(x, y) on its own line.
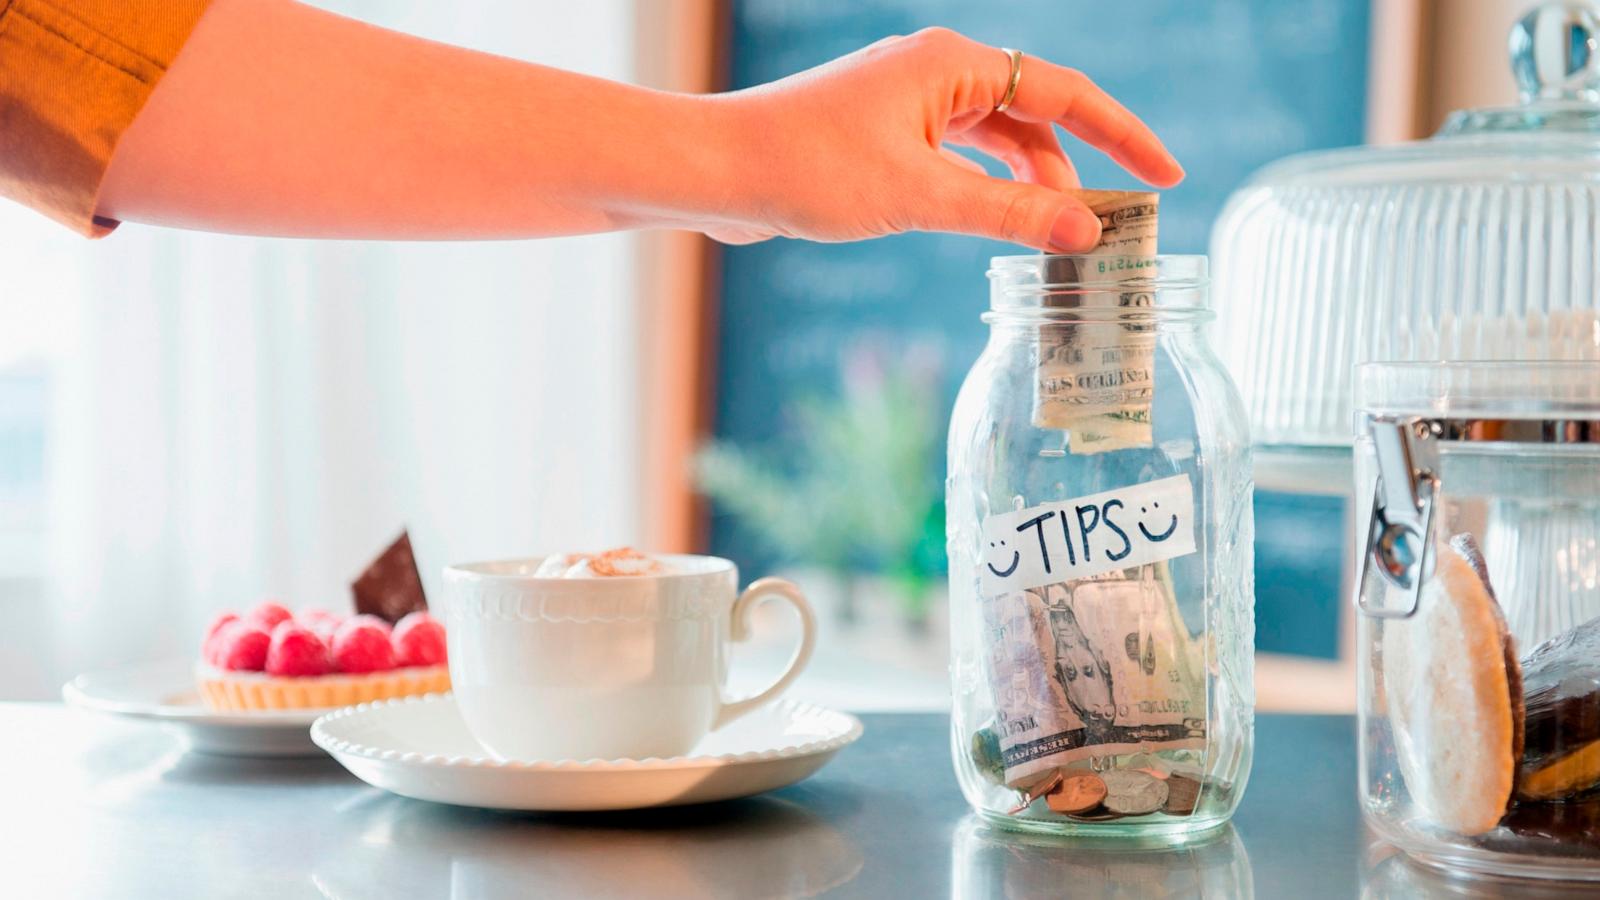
point(420, 747)
point(165, 692)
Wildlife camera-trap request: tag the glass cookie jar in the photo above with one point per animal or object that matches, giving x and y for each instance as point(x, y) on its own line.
point(1100, 545)
point(1479, 593)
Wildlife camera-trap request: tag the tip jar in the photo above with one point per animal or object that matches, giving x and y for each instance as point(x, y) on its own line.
point(1100, 544)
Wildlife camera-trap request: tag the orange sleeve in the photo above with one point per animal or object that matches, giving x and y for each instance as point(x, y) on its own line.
point(73, 75)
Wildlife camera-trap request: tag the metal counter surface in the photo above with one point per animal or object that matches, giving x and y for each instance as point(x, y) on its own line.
point(92, 806)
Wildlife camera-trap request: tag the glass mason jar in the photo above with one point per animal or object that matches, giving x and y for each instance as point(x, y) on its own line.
point(1101, 563)
point(1478, 586)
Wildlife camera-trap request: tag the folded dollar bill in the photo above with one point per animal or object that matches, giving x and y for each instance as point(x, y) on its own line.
point(1095, 380)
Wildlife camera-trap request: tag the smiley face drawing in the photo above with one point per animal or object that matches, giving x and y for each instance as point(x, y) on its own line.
point(1156, 538)
point(1016, 558)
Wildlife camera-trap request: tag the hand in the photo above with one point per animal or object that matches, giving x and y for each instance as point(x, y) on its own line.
point(856, 148)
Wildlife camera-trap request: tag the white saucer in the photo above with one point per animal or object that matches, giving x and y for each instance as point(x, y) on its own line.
point(165, 692)
point(419, 747)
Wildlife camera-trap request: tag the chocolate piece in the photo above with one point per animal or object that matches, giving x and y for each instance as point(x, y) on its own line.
point(1569, 828)
point(1562, 695)
point(391, 588)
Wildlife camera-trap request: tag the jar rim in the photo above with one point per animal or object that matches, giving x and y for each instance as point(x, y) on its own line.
point(1504, 388)
point(1057, 285)
point(1066, 272)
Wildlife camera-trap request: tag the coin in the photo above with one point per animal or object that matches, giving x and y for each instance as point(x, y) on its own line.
point(1182, 794)
point(1133, 793)
point(1077, 794)
point(1038, 789)
point(986, 754)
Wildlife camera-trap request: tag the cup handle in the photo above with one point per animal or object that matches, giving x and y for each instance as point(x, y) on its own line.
point(740, 630)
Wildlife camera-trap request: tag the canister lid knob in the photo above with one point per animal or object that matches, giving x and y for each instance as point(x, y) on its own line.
point(1555, 52)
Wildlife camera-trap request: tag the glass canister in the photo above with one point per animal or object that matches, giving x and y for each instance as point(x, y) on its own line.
point(1479, 633)
point(1100, 544)
point(1481, 242)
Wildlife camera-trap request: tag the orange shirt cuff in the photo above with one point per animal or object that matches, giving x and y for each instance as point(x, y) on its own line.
point(73, 75)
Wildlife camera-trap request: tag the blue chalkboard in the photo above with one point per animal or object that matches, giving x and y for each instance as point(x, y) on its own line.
point(1229, 85)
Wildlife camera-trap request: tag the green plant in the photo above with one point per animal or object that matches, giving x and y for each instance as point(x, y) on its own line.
point(855, 486)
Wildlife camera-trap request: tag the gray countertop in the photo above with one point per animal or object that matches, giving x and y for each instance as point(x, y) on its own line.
point(98, 807)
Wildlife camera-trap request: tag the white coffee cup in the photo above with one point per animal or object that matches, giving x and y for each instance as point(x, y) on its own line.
point(625, 667)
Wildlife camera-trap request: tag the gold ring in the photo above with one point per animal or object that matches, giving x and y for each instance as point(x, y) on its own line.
point(1016, 78)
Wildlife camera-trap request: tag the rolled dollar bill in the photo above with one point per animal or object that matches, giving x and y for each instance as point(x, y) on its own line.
point(1095, 379)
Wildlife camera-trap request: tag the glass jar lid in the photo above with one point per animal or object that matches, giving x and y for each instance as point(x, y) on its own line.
point(1480, 243)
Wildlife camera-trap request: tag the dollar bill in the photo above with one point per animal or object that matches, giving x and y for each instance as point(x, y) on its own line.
point(1100, 666)
point(1095, 380)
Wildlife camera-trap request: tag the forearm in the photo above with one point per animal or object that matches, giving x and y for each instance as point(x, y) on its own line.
point(282, 119)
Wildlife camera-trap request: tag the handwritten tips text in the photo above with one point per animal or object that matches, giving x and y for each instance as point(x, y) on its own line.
point(1087, 536)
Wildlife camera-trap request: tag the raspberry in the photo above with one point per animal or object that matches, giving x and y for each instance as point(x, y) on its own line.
point(242, 647)
point(210, 645)
point(296, 651)
point(418, 640)
point(268, 614)
point(362, 645)
point(321, 622)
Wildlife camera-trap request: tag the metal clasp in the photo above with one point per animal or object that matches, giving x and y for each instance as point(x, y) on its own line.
point(1400, 528)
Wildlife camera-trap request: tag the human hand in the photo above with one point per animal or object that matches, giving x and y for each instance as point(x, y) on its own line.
point(856, 148)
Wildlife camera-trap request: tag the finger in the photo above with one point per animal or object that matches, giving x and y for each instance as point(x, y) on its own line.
point(737, 236)
point(1050, 93)
point(958, 160)
point(961, 201)
point(1029, 149)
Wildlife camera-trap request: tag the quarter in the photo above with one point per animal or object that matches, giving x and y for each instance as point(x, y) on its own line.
point(1133, 793)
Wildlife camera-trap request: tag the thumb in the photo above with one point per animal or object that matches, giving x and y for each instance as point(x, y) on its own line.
point(967, 202)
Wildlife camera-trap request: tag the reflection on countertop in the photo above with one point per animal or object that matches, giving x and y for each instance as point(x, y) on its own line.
point(109, 808)
point(761, 847)
point(989, 862)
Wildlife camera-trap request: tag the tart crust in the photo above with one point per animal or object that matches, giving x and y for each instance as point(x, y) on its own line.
point(233, 691)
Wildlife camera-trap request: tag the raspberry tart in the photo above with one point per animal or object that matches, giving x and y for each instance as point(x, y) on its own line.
point(313, 659)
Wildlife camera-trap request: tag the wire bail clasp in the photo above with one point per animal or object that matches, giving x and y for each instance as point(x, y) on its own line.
point(1400, 527)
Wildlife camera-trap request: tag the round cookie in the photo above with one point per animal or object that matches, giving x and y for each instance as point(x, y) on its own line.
point(1449, 694)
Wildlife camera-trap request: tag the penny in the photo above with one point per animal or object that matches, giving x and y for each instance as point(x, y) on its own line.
point(1182, 794)
point(1077, 794)
point(1133, 793)
point(1043, 786)
point(1038, 789)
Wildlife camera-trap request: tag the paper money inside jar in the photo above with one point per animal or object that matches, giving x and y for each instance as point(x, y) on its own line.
point(1100, 547)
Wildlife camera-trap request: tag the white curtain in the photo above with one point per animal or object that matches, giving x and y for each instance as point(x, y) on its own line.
point(233, 418)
